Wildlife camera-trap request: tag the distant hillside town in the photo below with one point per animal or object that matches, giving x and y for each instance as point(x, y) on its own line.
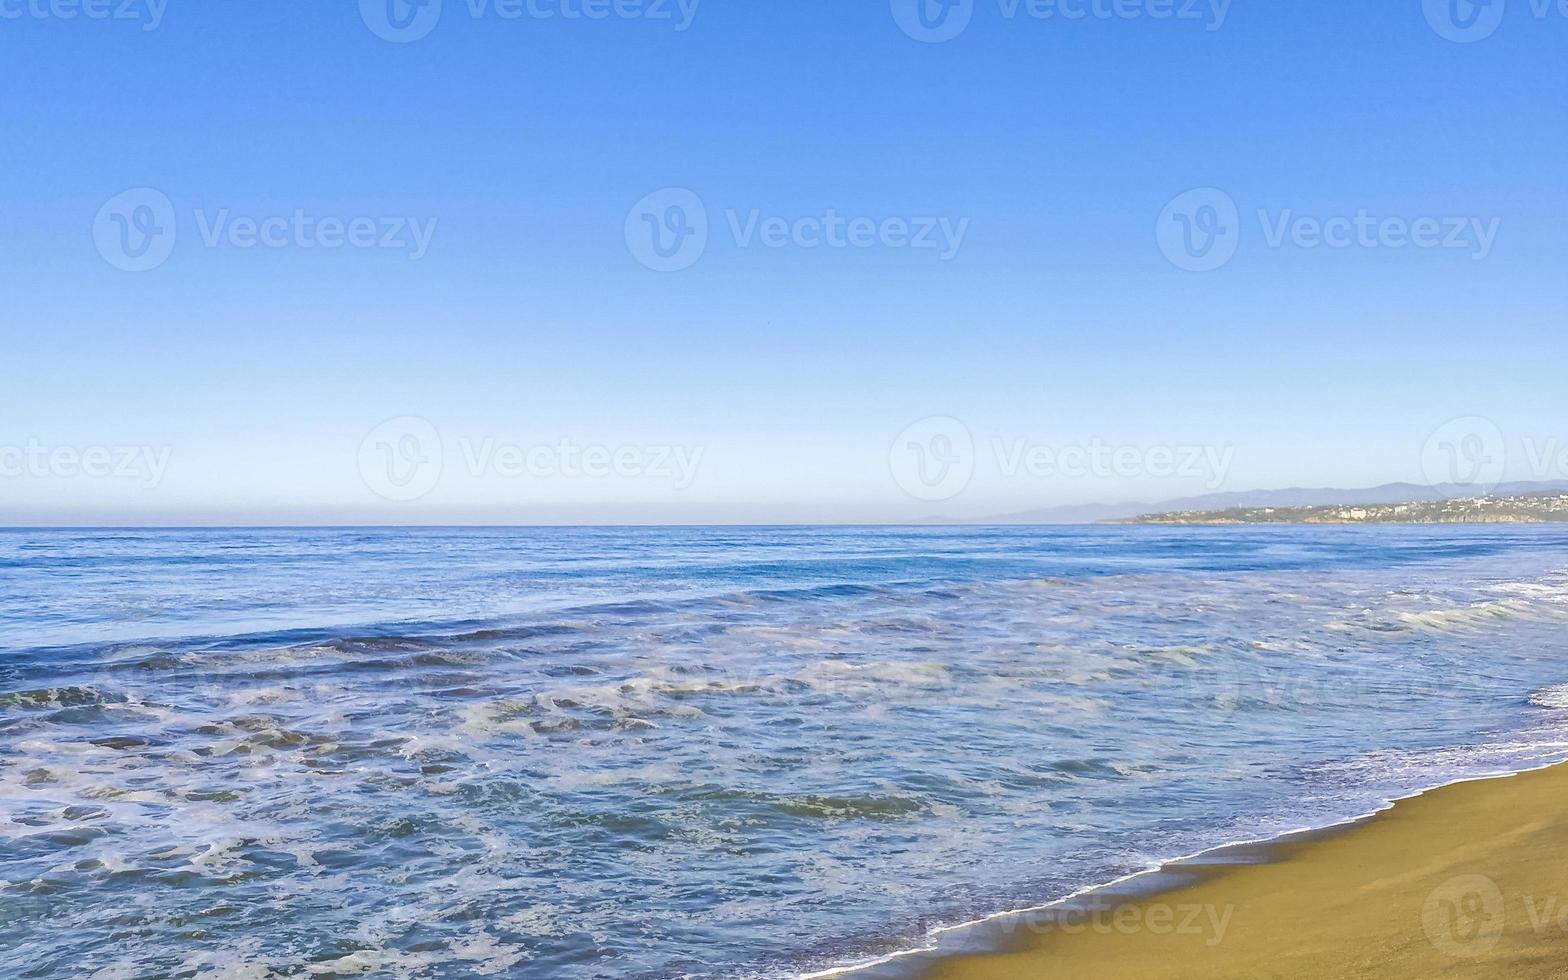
point(1536, 508)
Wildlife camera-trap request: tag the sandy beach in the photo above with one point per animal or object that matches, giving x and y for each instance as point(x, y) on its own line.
point(1468, 880)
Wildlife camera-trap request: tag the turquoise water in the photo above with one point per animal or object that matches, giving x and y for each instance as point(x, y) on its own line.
point(708, 752)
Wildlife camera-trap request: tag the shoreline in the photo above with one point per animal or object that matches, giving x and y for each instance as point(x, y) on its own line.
point(1102, 915)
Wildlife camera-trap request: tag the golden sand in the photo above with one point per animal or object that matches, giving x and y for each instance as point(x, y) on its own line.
point(1470, 880)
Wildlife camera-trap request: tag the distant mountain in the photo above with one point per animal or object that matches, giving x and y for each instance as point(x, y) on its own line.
point(1389, 493)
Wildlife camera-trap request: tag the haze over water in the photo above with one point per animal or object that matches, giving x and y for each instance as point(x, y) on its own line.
point(713, 752)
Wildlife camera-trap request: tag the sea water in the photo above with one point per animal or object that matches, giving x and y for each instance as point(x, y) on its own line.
point(711, 752)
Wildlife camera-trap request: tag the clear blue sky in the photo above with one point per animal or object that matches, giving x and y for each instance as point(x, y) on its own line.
point(529, 320)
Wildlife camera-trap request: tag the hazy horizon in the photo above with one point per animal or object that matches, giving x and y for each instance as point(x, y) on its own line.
point(1064, 513)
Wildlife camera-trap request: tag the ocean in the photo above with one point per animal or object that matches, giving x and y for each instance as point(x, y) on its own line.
point(709, 752)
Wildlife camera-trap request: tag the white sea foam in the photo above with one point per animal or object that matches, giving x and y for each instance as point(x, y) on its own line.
point(1555, 698)
point(1475, 615)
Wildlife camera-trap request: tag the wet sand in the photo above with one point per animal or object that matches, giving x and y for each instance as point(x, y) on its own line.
point(1469, 880)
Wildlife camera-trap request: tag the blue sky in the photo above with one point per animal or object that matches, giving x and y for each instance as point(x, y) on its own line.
point(253, 383)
